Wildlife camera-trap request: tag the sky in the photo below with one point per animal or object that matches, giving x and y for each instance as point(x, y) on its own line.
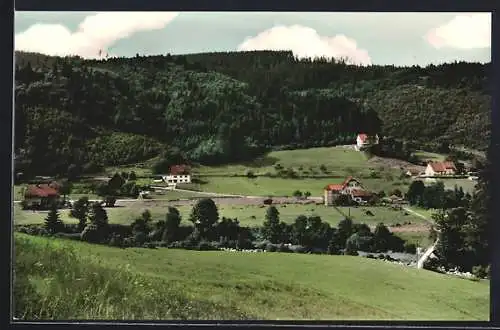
point(363, 38)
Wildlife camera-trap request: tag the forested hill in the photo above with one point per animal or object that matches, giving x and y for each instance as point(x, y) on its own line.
point(225, 107)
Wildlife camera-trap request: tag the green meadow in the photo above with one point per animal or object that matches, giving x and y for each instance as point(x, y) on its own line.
point(61, 279)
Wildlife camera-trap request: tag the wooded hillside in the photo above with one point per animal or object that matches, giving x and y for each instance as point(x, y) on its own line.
point(226, 107)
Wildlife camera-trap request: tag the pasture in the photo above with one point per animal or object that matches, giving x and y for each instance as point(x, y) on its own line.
point(248, 215)
point(265, 186)
point(140, 283)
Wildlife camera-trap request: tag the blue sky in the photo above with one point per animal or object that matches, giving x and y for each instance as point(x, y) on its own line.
point(362, 38)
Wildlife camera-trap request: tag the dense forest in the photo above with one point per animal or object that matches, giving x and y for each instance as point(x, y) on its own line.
point(226, 107)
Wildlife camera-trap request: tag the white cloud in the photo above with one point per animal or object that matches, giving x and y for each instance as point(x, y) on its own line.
point(95, 33)
point(462, 32)
point(306, 42)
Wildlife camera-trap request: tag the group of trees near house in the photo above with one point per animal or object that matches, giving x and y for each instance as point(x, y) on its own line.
point(316, 235)
point(463, 229)
point(435, 196)
point(209, 231)
point(120, 184)
point(224, 107)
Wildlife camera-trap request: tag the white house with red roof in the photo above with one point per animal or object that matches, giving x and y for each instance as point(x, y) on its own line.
point(440, 169)
point(364, 140)
point(350, 186)
point(178, 174)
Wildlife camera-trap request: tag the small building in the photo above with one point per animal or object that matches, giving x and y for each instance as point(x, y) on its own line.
point(178, 174)
point(440, 169)
point(41, 196)
point(412, 172)
point(364, 141)
point(350, 186)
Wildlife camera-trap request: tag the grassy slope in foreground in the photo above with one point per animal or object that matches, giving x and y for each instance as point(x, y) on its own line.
point(167, 284)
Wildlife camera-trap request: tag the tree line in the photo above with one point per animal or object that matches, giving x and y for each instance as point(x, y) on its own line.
point(209, 231)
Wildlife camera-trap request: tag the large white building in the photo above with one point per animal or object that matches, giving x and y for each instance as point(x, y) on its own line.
point(350, 186)
point(363, 141)
point(173, 180)
point(440, 169)
point(178, 174)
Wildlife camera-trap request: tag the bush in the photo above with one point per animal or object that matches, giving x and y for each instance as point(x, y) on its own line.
point(24, 205)
point(149, 245)
point(163, 244)
point(271, 247)
point(140, 238)
point(122, 230)
point(262, 245)
point(250, 174)
point(116, 241)
point(431, 264)
point(72, 236)
point(176, 245)
point(480, 271)
point(205, 246)
point(128, 242)
point(299, 249)
point(109, 201)
point(410, 248)
point(268, 201)
point(245, 244)
point(284, 248)
point(90, 234)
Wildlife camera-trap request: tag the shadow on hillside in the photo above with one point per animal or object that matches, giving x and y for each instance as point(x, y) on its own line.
point(262, 162)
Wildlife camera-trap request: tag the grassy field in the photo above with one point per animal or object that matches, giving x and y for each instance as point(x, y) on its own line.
point(466, 184)
point(264, 186)
point(72, 280)
point(429, 156)
point(420, 239)
point(248, 215)
point(339, 162)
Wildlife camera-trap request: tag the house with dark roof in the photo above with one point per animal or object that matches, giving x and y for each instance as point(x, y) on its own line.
point(364, 141)
point(440, 169)
point(178, 174)
point(351, 187)
point(41, 196)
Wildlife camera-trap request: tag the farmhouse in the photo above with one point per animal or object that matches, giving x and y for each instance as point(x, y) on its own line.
point(350, 186)
point(178, 174)
point(440, 169)
point(363, 141)
point(41, 195)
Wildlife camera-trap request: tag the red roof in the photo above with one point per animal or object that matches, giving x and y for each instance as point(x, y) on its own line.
point(442, 166)
point(42, 190)
point(179, 169)
point(362, 137)
point(338, 187)
point(335, 187)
